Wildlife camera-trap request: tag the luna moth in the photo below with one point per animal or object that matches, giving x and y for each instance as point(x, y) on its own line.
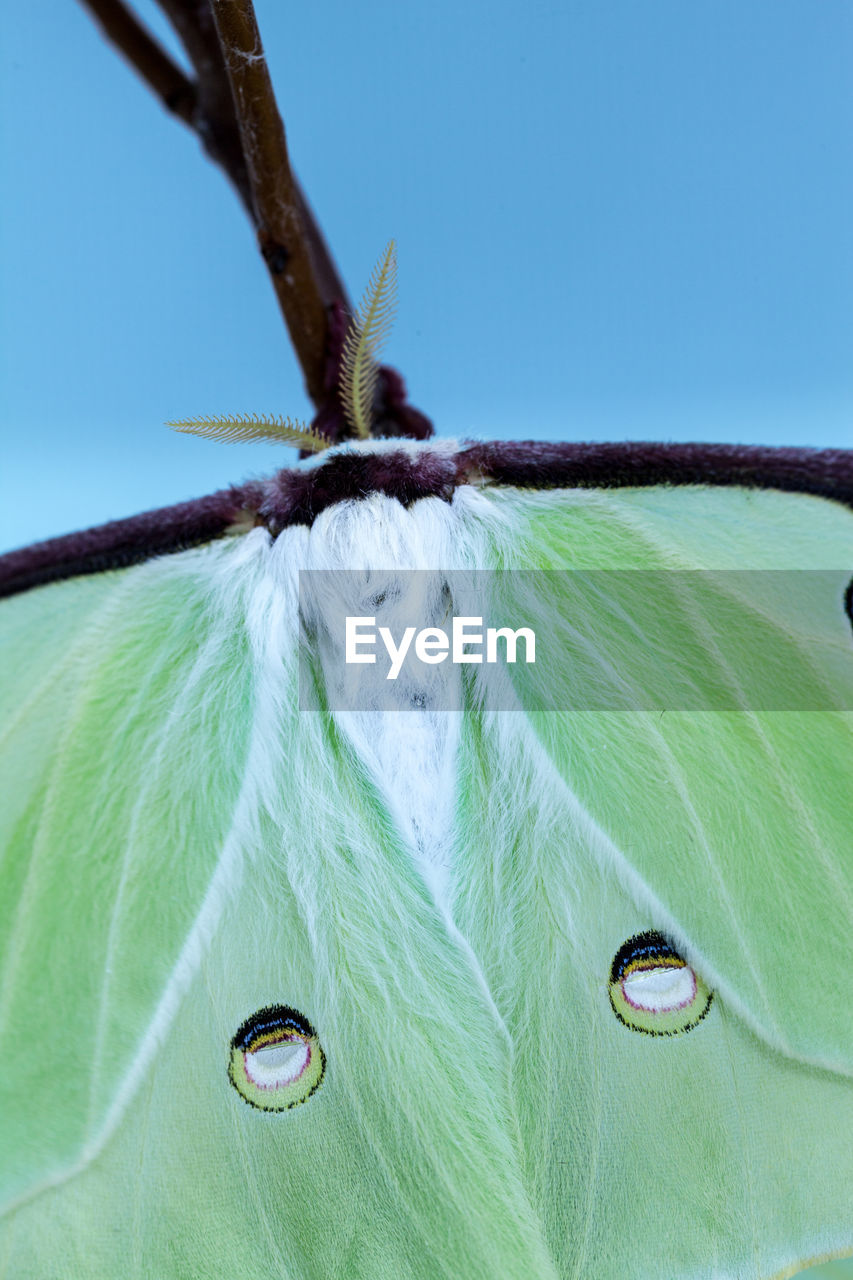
point(293, 991)
point(525, 971)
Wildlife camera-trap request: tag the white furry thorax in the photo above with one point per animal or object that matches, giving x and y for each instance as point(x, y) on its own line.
point(409, 751)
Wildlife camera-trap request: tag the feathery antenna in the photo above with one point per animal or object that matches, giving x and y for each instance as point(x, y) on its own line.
point(365, 337)
point(247, 426)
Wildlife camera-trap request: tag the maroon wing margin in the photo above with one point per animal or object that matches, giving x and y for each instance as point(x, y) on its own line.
point(297, 496)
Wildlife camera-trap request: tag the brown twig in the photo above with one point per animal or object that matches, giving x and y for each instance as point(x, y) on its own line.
point(214, 120)
point(174, 89)
point(274, 198)
point(231, 108)
point(287, 230)
point(216, 124)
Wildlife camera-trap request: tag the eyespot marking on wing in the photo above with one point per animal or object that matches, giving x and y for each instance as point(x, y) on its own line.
point(652, 989)
point(276, 1059)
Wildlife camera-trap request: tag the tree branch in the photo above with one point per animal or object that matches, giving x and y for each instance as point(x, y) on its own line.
point(231, 108)
point(214, 119)
point(208, 108)
point(147, 56)
point(274, 200)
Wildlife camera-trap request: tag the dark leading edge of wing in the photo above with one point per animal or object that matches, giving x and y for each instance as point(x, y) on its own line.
point(297, 496)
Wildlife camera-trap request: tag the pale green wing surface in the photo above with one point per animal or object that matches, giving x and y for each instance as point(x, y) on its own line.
point(123, 743)
point(701, 1153)
point(401, 1159)
point(725, 1150)
point(736, 821)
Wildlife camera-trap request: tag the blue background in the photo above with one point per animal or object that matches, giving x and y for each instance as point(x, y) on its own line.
point(614, 220)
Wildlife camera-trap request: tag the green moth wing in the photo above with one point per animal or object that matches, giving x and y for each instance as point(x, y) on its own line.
point(305, 899)
point(725, 828)
point(748, 767)
point(293, 992)
point(109, 677)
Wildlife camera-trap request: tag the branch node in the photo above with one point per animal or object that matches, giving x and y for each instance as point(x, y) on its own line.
point(275, 255)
